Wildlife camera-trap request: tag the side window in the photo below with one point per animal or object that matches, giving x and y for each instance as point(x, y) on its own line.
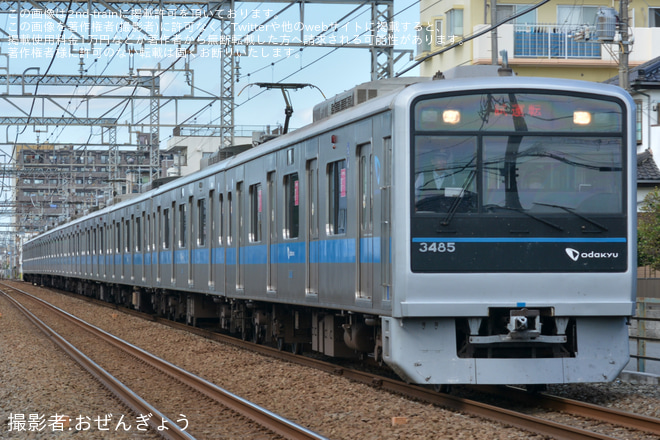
point(138, 234)
point(101, 240)
point(230, 216)
point(118, 237)
point(291, 206)
point(166, 228)
point(183, 225)
point(221, 219)
point(337, 204)
point(201, 222)
point(255, 213)
point(127, 233)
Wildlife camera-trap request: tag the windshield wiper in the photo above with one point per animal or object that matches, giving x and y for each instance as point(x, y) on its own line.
point(577, 214)
point(457, 200)
point(522, 211)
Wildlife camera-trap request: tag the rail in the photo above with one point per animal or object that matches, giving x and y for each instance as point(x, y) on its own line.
point(267, 419)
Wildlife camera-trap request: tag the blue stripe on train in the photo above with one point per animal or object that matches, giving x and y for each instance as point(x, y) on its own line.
point(320, 251)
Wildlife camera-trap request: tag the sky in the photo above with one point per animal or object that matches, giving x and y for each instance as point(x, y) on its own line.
point(330, 71)
point(36, 42)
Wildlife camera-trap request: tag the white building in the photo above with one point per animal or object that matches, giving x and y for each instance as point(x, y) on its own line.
point(645, 89)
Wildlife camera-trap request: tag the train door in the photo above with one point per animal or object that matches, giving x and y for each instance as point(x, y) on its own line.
point(90, 251)
point(175, 230)
point(102, 250)
point(95, 252)
point(181, 256)
point(132, 246)
point(271, 275)
point(160, 233)
point(153, 249)
point(189, 242)
point(220, 257)
point(138, 260)
point(121, 229)
point(146, 246)
point(365, 243)
point(209, 231)
point(128, 248)
point(240, 268)
point(230, 245)
point(166, 262)
point(386, 221)
point(111, 250)
point(312, 269)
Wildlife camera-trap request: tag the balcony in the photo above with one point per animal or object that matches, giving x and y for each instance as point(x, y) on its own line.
point(554, 43)
point(550, 41)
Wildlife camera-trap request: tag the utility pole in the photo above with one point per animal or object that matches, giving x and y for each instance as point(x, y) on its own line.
point(624, 45)
point(493, 33)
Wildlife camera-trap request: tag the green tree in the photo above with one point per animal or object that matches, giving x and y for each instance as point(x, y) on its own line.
point(648, 231)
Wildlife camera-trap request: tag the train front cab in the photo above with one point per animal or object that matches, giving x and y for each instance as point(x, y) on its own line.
point(504, 280)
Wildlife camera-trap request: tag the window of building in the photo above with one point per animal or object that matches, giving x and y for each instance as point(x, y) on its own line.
point(337, 200)
point(654, 17)
point(454, 23)
point(256, 209)
point(440, 39)
point(182, 158)
point(291, 206)
point(639, 118)
point(424, 37)
point(506, 11)
point(571, 16)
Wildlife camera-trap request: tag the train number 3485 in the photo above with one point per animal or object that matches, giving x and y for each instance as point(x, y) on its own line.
point(437, 247)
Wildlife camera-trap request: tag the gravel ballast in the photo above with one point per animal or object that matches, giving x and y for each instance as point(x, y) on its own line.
point(39, 379)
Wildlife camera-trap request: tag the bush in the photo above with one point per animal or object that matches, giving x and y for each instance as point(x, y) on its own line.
point(648, 231)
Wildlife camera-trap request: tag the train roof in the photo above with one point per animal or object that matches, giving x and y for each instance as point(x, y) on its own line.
point(363, 110)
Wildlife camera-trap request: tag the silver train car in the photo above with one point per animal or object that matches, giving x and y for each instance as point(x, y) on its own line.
point(472, 231)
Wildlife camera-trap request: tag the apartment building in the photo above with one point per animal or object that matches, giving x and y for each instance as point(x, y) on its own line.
point(58, 182)
point(558, 39)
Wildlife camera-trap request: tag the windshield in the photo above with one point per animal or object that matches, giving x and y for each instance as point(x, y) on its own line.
point(526, 152)
point(584, 173)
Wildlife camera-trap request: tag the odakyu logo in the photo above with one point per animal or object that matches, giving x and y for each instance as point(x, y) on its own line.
point(575, 255)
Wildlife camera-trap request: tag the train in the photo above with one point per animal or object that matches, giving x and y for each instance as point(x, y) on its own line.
point(514, 263)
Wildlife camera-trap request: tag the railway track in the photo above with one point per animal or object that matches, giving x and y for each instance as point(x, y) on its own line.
point(214, 406)
point(514, 418)
point(579, 409)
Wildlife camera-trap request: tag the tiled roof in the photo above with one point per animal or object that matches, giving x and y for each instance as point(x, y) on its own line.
point(647, 170)
point(645, 75)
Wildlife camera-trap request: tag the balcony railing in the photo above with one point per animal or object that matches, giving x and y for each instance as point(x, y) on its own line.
point(551, 41)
